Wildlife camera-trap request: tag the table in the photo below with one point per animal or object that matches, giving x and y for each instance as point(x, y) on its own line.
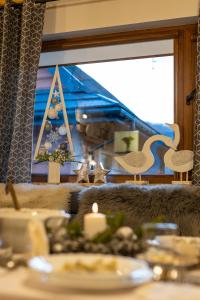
point(16, 285)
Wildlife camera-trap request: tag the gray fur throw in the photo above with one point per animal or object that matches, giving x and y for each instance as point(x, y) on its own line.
point(176, 203)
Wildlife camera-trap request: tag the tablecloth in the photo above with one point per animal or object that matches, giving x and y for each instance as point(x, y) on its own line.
point(18, 285)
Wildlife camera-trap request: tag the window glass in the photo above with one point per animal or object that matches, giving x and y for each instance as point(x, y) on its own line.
point(112, 107)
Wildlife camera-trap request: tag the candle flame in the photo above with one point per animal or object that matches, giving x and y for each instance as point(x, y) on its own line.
point(95, 208)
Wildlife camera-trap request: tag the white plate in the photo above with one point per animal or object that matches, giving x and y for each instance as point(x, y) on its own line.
point(130, 272)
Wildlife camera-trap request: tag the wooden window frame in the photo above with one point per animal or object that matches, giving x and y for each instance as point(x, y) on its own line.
point(184, 78)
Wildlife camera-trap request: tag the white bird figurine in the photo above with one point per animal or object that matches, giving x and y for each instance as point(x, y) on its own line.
point(178, 161)
point(138, 162)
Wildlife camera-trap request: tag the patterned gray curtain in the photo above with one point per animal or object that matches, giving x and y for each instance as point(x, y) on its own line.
point(196, 146)
point(20, 46)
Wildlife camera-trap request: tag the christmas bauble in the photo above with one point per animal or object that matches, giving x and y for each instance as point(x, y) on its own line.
point(64, 147)
point(57, 248)
point(125, 232)
point(47, 145)
point(54, 101)
point(58, 107)
point(42, 150)
point(52, 114)
point(48, 126)
point(62, 130)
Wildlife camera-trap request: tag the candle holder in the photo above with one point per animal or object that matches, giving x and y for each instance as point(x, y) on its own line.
point(116, 239)
point(110, 238)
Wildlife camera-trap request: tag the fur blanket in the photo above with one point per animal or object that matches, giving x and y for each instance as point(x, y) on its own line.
point(40, 195)
point(178, 204)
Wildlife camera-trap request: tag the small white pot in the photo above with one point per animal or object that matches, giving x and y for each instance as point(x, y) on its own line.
point(54, 172)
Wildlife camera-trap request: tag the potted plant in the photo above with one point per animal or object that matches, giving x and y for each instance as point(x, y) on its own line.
point(128, 140)
point(55, 159)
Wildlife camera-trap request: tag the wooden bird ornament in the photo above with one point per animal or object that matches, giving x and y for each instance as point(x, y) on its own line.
point(138, 162)
point(179, 161)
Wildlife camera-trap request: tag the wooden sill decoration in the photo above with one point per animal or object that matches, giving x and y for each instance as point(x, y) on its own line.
point(179, 161)
point(56, 81)
point(138, 162)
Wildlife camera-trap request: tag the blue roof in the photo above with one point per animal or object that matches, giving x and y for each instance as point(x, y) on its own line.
point(82, 93)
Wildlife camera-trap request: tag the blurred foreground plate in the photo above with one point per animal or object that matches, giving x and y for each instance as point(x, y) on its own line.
point(128, 272)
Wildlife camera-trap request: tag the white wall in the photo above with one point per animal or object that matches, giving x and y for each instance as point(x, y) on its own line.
point(72, 16)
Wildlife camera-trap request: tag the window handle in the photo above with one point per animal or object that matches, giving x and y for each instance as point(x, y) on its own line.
point(191, 97)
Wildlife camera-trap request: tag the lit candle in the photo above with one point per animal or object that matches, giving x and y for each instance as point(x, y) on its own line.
point(94, 222)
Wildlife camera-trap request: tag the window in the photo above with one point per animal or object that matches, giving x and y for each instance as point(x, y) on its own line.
point(109, 94)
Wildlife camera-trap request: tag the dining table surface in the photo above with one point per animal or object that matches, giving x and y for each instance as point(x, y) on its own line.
point(19, 284)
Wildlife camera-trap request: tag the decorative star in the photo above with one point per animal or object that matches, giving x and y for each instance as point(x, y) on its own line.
point(53, 136)
point(56, 94)
point(100, 173)
point(82, 173)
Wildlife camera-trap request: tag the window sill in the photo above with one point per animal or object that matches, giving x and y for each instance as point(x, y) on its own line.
point(153, 179)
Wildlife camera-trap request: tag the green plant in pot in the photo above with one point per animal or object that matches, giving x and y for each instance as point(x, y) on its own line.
point(128, 140)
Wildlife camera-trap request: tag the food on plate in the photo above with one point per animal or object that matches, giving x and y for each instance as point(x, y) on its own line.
point(98, 265)
point(158, 256)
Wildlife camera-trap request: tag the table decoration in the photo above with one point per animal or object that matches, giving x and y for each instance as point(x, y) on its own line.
point(94, 222)
point(113, 239)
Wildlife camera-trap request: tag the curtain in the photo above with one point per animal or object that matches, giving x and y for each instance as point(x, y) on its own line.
point(20, 45)
point(196, 146)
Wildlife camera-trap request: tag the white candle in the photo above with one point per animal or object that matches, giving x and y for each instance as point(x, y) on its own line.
point(94, 222)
